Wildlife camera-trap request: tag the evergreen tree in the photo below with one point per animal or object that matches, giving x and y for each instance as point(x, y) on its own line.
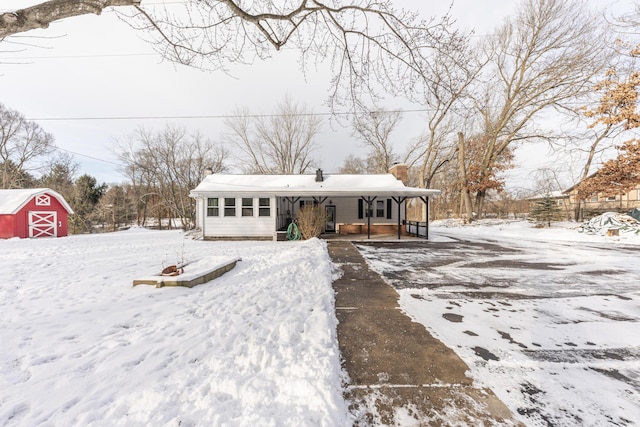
point(87, 194)
point(545, 211)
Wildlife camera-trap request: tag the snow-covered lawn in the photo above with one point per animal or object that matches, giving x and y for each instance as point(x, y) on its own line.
point(549, 319)
point(82, 346)
point(258, 346)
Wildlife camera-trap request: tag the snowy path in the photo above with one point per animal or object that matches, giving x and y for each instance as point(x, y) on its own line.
point(81, 346)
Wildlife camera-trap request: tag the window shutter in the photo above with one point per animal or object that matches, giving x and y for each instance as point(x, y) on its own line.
point(388, 208)
point(360, 209)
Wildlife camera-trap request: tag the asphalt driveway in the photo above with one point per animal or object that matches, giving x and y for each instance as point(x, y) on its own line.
point(550, 327)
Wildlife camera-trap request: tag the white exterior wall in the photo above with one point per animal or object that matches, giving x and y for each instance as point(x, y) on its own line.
point(256, 226)
point(347, 212)
point(199, 205)
point(238, 225)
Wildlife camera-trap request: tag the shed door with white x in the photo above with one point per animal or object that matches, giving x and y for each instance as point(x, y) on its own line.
point(42, 224)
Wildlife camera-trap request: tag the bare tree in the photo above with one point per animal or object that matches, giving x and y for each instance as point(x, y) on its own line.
point(547, 181)
point(464, 182)
point(168, 164)
point(353, 165)
point(541, 59)
point(374, 130)
point(21, 142)
point(366, 42)
point(445, 84)
point(281, 143)
point(59, 174)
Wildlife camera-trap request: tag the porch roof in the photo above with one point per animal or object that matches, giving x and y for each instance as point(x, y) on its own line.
point(332, 185)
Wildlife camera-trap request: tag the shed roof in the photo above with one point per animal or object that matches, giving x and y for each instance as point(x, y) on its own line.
point(11, 201)
point(333, 185)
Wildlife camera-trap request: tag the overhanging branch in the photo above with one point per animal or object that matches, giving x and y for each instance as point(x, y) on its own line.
point(43, 14)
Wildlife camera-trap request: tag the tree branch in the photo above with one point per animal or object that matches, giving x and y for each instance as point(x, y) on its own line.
point(43, 14)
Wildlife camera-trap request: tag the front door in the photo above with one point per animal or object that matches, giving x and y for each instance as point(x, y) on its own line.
point(42, 224)
point(331, 219)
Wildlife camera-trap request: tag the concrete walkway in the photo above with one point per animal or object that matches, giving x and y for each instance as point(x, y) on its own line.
point(399, 373)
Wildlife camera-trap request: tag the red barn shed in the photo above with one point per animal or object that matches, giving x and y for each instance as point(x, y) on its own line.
point(33, 212)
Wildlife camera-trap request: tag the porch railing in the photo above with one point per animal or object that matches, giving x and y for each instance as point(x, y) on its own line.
point(417, 228)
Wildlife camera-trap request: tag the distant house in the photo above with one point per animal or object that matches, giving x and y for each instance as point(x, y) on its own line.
point(35, 212)
point(262, 206)
point(598, 203)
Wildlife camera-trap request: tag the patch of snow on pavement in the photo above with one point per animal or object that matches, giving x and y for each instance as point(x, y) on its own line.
point(547, 318)
point(82, 346)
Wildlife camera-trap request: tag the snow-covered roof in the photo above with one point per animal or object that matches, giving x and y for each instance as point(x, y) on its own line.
point(551, 194)
point(333, 185)
point(11, 201)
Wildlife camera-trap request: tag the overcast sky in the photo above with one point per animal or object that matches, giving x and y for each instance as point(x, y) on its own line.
point(98, 67)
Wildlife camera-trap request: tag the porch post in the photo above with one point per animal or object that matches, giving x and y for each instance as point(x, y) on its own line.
point(399, 200)
point(369, 201)
point(399, 223)
point(426, 202)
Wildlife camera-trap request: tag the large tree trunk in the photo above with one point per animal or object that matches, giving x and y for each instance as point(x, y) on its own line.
point(462, 173)
point(480, 196)
point(587, 166)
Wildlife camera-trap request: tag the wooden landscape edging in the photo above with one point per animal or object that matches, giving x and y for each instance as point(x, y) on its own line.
point(190, 278)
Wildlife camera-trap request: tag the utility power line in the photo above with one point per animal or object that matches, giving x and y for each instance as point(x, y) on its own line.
point(213, 116)
point(87, 156)
point(232, 116)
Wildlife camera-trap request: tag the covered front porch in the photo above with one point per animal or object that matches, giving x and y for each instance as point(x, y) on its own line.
point(379, 216)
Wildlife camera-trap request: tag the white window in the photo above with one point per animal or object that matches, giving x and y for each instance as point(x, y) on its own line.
point(611, 198)
point(264, 206)
point(229, 206)
point(43, 200)
point(247, 206)
point(213, 206)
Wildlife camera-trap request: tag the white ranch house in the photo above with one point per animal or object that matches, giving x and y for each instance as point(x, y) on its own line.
point(262, 206)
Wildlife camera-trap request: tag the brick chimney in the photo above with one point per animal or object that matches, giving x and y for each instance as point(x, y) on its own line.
point(319, 176)
point(400, 171)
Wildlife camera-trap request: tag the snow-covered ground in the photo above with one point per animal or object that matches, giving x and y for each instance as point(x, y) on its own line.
point(81, 346)
point(549, 319)
point(560, 343)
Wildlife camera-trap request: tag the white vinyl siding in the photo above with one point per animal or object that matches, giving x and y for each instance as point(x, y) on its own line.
point(347, 211)
point(238, 225)
point(266, 211)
